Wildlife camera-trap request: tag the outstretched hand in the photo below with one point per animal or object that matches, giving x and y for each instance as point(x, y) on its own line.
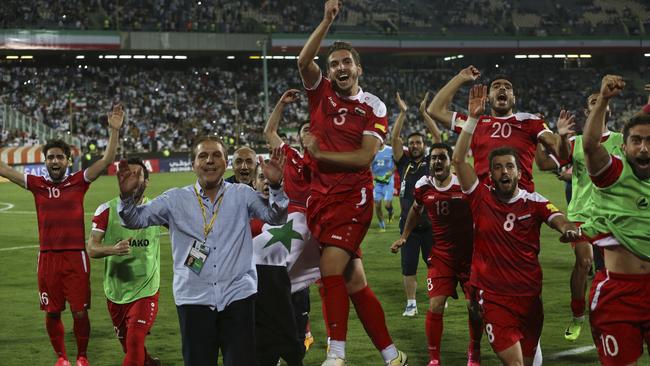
point(477, 100)
point(566, 123)
point(400, 103)
point(423, 103)
point(116, 117)
point(571, 234)
point(273, 169)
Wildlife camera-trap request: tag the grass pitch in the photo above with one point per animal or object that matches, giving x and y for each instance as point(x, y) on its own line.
point(24, 340)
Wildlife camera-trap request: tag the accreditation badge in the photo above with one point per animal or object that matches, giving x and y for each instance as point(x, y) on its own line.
point(197, 257)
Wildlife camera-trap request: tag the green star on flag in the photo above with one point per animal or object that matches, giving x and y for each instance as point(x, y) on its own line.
point(283, 235)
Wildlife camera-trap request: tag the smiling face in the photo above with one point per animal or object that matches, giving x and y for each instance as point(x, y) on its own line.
point(505, 174)
point(243, 165)
point(209, 163)
point(502, 97)
point(637, 150)
point(440, 165)
point(56, 162)
point(344, 72)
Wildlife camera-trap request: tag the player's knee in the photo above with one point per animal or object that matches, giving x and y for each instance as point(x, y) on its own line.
point(79, 314)
point(54, 315)
point(437, 305)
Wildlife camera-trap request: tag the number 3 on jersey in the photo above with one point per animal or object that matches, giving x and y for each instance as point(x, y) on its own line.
point(340, 119)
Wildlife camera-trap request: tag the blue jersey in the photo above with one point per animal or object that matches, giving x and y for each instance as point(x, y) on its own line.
point(383, 165)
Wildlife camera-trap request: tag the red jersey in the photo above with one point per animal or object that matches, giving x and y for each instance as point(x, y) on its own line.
point(451, 220)
point(60, 210)
point(296, 179)
point(519, 131)
point(339, 123)
point(506, 241)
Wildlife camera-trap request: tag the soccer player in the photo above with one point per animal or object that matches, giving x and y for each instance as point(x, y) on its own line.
point(347, 127)
point(501, 127)
point(131, 273)
point(304, 256)
point(505, 266)
point(580, 209)
point(63, 265)
point(411, 167)
point(382, 171)
point(244, 161)
point(450, 259)
point(620, 223)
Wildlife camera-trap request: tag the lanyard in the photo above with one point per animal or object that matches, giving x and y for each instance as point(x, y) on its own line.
point(207, 227)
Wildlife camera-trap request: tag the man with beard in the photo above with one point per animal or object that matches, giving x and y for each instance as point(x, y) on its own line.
point(502, 127)
point(451, 220)
point(131, 274)
point(411, 167)
point(620, 223)
point(244, 161)
point(63, 265)
point(304, 256)
point(347, 127)
point(505, 268)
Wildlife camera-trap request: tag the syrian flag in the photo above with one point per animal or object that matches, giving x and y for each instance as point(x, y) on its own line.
point(289, 245)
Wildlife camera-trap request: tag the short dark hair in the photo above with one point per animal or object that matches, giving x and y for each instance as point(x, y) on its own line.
point(302, 124)
point(202, 139)
point(137, 161)
point(442, 145)
point(57, 144)
point(500, 77)
point(340, 45)
point(633, 122)
point(503, 151)
point(416, 134)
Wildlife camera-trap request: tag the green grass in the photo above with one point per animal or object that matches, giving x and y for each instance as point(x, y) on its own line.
point(24, 339)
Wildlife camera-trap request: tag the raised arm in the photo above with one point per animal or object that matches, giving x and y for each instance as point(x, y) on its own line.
point(115, 119)
point(565, 129)
point(356, 159)
point(275, 211)
point(12, 174)
point(465, 172)
point(271, 128)
point(395, 140)
point(439, 107)
point(309, 70)
point(596, 156)
point(429, 122)
point(409, 225)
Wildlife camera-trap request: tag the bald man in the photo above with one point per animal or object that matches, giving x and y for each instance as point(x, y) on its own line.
point(244, 161)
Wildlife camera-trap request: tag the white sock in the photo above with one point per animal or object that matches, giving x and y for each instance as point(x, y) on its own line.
point(308, 334)
point(337, 348)
point(389, 353)
point(580, 318)
point(410, 302)
point(537, 361)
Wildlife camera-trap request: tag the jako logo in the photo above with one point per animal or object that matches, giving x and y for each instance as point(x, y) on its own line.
point(139, 243)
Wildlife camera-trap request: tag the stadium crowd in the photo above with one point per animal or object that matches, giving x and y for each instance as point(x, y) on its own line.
point(167, 108)
point(450, 17)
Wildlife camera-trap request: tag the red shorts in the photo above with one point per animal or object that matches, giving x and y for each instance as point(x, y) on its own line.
point(141, 312)
point(512, 319)
point(64, 275)
point(341, 220)
point(442, 279)
point(620, 316)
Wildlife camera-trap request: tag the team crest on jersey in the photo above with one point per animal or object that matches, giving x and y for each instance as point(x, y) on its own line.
point(642, 203)
point(332, 102)
point(359, 111)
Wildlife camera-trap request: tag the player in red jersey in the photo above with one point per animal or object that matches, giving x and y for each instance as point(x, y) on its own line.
point(451, 256)
point(505, 267)
point(63, 266)
point(522, 131)
point(347, 127)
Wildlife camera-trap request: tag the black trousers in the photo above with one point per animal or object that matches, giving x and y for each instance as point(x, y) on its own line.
point(275, 322)
point(301, 308)
point(205, 331)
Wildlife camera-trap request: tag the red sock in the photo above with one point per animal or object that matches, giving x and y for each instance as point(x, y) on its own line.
point(337, 306)
point(56, 332)
point(475, 335)
point(82, 333)
point(321, 292)
point(433, 327)
point(135, 352)
point(578, 307)
point(371, 315)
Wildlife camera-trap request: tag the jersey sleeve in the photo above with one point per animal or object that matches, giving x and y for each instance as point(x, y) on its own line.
point(31, 181)
point(537, 127)
point(377, 123)
point(100, 219)
point(457, 121)
point(317, 91)
point(545, 210)
point(420, 190)
point(474, 195)
point(609, 174)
